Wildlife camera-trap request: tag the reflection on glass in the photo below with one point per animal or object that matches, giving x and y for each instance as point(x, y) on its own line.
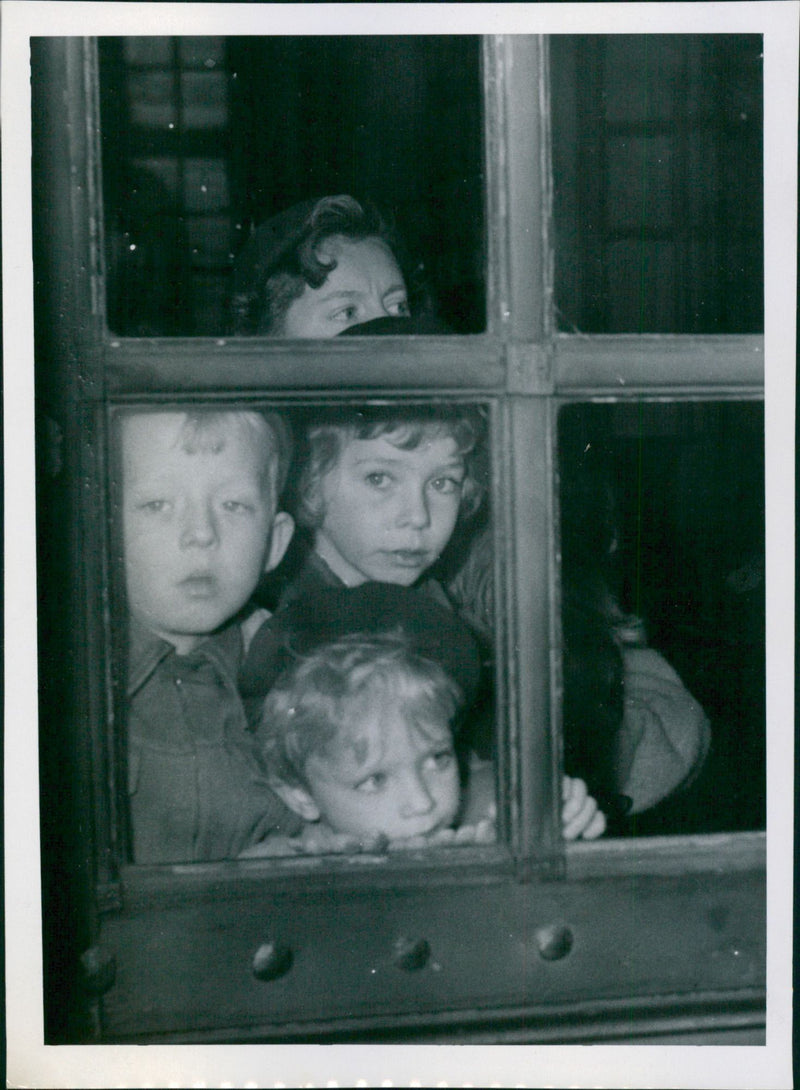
point(204, 139)
point(316, 698)
point(663, 612)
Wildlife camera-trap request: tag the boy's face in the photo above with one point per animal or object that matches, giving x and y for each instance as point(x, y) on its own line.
point(366, 284)
point(388, 513)
point(392, 779)
point(196, 526)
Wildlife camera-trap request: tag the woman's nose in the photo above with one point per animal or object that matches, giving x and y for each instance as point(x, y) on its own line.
point(414, 508)
point(199, 526)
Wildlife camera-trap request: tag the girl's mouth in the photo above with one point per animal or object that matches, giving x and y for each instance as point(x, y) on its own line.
point(409, 558)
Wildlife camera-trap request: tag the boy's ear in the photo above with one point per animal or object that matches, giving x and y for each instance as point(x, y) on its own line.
point(279, 538)
point(297, 799)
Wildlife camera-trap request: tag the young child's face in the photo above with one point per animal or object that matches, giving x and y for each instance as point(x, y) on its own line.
point(390, 778)
point(196, 526)
point(366, 284)
point(388, 513)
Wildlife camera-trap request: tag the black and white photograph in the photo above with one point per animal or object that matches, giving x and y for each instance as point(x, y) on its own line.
point(399, 632)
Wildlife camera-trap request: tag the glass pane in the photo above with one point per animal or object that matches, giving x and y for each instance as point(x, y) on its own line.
point(205, 138)
point(658, 198)
point(311, 690)
point(662, 544)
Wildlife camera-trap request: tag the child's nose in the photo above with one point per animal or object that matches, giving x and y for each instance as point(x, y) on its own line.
point(417, 796)
point(414, 508)
point(199, 526)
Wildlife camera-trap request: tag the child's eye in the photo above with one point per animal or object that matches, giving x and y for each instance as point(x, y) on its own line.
point(154, 506)
point(378, 479)
point(442, 760)
point(372, 784)
point(237, 506)
point(397, 308)
point(446, 485)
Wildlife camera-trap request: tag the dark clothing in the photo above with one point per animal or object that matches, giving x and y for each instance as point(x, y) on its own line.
point(267, 656)
point(197, 788)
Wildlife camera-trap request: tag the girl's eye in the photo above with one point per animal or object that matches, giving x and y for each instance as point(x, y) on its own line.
point(372, 784)
point(446, 485)
point(346, 314)
point(378, 479)
point(154, 506)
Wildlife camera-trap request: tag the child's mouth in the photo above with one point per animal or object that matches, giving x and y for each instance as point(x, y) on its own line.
point(199, 586)
point(409, 558)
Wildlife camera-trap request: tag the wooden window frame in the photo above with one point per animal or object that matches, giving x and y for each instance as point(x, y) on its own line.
point(526, 372)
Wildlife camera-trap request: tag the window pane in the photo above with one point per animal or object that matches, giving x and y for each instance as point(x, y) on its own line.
point(662, 536)
point(657, 165)
point(306, 693)
point(205, 137)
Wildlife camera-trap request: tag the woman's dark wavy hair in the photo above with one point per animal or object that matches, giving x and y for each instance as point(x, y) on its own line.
point(260, 306)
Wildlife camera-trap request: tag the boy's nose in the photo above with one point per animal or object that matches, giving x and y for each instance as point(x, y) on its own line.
point(414, 508)
point(417, 798)
point(199, 526)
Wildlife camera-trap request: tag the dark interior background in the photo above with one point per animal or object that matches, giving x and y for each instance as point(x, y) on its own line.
point(666, 503)
point(204, 137)
point(657, 162)
point(658, 182)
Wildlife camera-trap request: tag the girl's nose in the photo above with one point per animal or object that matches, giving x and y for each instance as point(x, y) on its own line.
point(414, 508)
point(199, 526)
point(417, 798)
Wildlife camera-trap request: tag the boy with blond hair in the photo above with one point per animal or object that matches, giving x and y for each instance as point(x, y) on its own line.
point(199, 526)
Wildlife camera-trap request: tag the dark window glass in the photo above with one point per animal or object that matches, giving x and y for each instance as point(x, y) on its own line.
point(204, 137)
point(662, 534)
point(657, 163)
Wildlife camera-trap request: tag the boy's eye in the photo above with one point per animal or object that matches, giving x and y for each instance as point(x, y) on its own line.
point(237, 506)
point(372, 784)
point(154, 506)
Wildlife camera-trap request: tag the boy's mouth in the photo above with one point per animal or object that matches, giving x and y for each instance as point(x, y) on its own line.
point(199, 586)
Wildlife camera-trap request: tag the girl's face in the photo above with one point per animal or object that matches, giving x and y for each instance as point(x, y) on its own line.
point(388, 513)
point(366, 284)
point(392, 778)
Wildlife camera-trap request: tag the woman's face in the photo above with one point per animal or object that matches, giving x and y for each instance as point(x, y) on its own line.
point(366, 284)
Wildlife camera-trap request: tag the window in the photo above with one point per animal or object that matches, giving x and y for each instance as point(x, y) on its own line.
point(614, 377)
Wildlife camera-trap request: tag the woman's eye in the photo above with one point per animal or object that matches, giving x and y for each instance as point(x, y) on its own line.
point(372, 784)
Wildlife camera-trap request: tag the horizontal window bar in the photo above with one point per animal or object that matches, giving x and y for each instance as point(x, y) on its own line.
point(201, 365)
point(723, 853)
point(630, 365)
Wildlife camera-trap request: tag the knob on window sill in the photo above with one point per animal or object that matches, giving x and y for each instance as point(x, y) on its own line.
point(411, 954)
point(272, 960)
